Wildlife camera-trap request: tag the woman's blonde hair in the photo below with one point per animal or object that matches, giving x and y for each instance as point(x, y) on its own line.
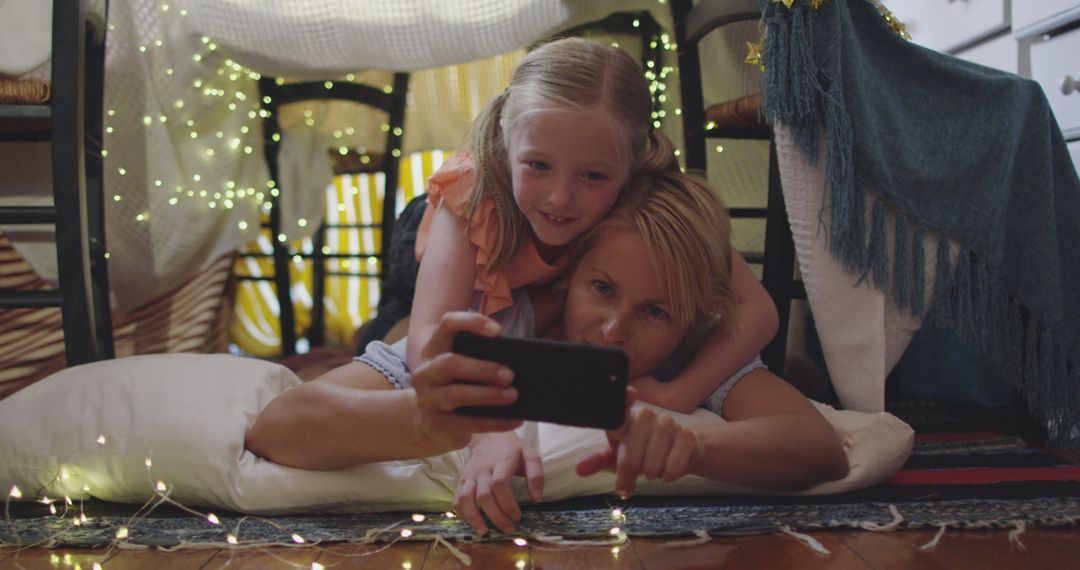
point(687, 235)
point(567, 74)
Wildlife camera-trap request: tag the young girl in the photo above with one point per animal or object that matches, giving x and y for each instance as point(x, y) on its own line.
point(549, 157)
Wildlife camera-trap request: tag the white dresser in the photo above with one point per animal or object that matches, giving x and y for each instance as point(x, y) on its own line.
point(1039, 39)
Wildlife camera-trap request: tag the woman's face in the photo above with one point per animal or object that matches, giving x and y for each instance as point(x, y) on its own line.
point(616, 298)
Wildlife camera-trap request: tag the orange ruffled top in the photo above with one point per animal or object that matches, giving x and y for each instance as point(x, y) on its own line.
point(451, 186)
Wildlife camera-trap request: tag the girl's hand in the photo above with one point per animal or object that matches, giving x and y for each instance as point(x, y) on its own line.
point(447, 381)
point(650, 390)
point(649, 443)
point(485, 484)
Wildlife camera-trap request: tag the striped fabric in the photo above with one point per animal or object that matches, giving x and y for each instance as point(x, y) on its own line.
point(979, 458)
point(192, 318)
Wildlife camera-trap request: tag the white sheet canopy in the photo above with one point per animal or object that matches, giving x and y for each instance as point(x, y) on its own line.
point(186, 178)
point(185, 174)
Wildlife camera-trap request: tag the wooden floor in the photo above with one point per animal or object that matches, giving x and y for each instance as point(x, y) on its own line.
point(1051, 549)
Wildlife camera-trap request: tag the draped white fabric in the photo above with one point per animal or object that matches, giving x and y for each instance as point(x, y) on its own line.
point(185, 174)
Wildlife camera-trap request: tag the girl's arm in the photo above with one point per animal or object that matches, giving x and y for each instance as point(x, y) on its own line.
point(722, 353)
point(774, 439)
point(444, 282)
point(485, 487)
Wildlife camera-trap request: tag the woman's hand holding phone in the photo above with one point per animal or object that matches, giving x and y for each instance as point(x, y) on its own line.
point(447, 381)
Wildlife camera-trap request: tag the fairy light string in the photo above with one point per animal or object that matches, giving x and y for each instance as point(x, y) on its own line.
point(69, 475)
point(220, 84)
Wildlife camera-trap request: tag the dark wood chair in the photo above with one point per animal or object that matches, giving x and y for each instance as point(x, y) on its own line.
point(274, 94)
point(70, 119)
point(737, 119)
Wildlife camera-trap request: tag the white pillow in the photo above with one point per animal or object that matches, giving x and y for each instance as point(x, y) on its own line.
point(188, 413)
point(877, 444)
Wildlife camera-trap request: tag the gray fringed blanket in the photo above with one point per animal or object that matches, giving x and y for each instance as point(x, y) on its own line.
point(966, 152)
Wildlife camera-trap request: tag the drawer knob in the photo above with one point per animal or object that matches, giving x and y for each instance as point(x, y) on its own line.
point(1069, 85)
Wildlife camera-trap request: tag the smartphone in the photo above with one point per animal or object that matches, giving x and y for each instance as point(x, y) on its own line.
point(565, 383)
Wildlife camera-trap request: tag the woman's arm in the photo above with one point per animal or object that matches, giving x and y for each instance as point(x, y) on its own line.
point(723, 352)
point(444, 282)
point(351, 415)
point(774, 439)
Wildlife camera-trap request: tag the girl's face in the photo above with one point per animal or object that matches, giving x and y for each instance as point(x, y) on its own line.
point(567, 169)
point(616, 298)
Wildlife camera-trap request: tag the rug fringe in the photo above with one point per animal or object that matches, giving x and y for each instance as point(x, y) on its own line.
point(806, 539)
point(464, 558)
point(702, 538)
point(895, 524)
point(937, 538)
point(1014, 535)
point(619, 539)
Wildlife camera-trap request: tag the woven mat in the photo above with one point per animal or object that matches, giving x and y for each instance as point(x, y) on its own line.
point(960, 475)
point(569, 521)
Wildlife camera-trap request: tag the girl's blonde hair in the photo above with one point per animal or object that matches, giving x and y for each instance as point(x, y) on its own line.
point(567, 74)
point(687, 235)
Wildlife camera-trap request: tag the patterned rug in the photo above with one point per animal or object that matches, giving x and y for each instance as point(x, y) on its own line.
point(956, 477)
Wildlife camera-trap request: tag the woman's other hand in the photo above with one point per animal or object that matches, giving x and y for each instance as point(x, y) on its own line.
point(650, 443)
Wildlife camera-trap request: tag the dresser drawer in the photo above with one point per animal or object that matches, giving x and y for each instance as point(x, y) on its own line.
point(945, 25)
point(1001, 53)
point(1051, 62)
point(1031, 17)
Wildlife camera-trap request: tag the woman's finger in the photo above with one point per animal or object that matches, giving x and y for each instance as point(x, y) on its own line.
point(595, 462)
point(620, 432)
point(658, 446)
point(534, 474)
point(683, 452)
point(485, 498)
point(451, 421)
point(501, 478)
point(450, 398)
point(631, 449)
point(466, 508)
point(448, 369)
point(451, 324)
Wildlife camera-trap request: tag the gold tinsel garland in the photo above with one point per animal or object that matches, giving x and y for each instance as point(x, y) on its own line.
point(753, 49)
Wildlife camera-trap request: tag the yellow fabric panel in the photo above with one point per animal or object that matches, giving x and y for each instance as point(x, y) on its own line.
point(349, 301)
